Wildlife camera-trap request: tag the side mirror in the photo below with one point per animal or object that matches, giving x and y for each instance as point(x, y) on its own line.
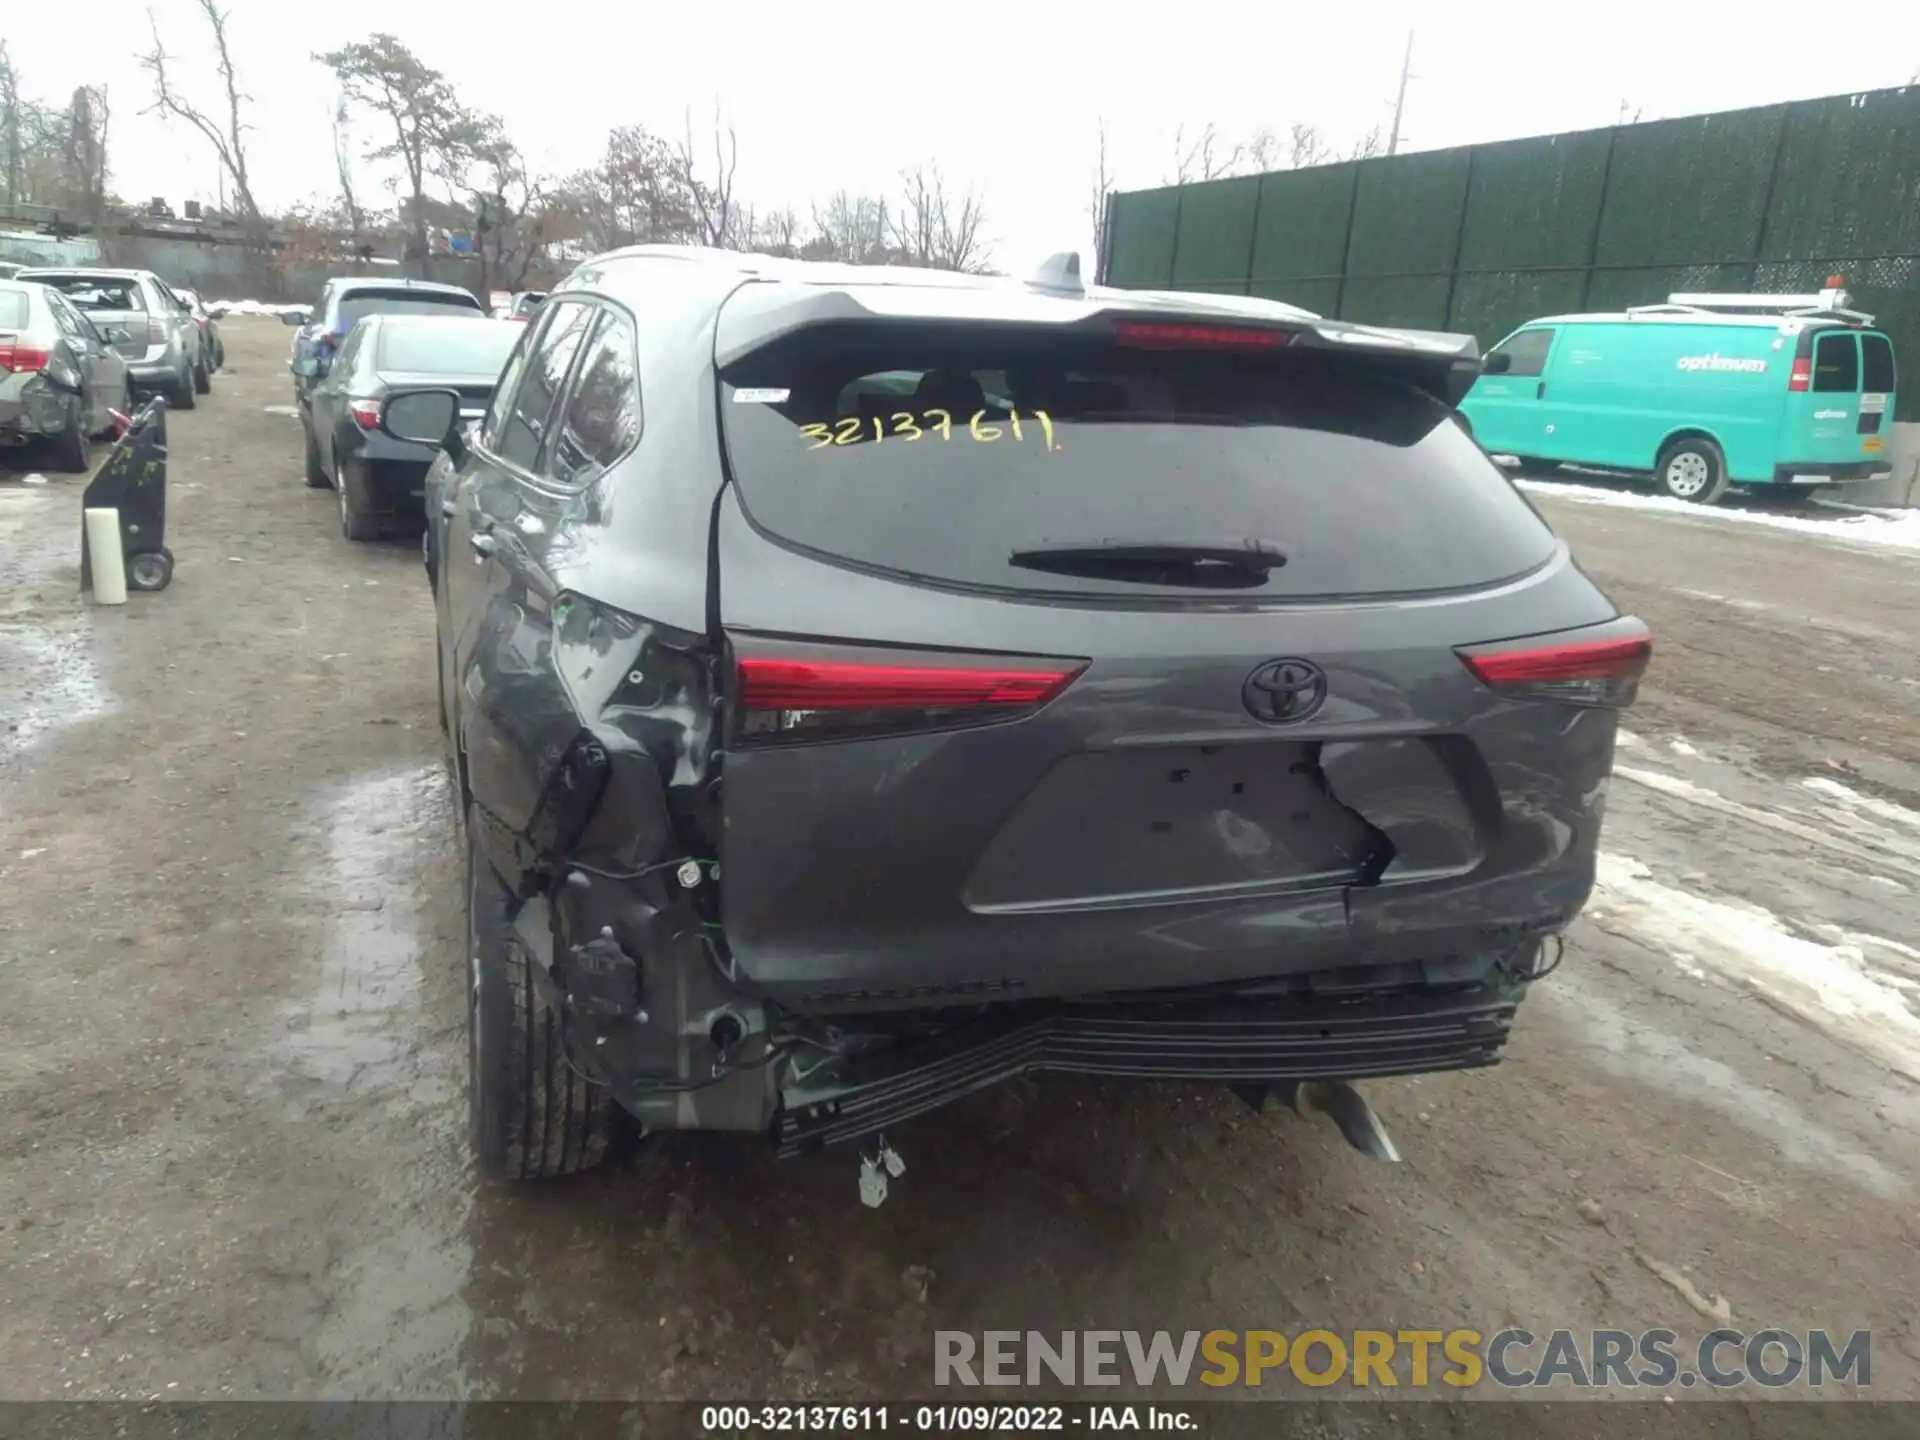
point(425, 417)
point(293, 317)
point(1497, 364)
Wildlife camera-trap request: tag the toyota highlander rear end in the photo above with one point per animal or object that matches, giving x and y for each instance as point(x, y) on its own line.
point(1147, 686)
point(1143, 672)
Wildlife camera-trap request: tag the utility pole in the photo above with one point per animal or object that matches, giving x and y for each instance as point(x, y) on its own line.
point(1400, 101)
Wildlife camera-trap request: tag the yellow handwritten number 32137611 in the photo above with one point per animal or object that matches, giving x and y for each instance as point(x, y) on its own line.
point(907, 427)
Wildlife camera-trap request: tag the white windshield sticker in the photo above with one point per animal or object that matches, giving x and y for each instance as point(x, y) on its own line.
point(760, 397)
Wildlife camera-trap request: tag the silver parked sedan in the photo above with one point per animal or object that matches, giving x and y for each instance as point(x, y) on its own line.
point(61, 377)
point(161, 343)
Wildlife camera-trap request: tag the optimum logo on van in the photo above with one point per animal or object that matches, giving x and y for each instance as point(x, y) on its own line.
point(1723, 363)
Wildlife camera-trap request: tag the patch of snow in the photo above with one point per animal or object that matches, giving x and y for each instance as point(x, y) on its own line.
point(1892, 530)
point(1869, 847)
point(1871, 804)
point(1681, 747)
point(1831, 987)
point(222, 309)
point(289, 411)
point(1628, 740)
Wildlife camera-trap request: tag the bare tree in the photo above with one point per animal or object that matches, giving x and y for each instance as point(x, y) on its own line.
point(1367, 146)
point(516, 218)
point(851, 228)
point(225, 133)
point(343, 166)
point(776, 233)
point(1629, 113)
point(1097, 199)
point(712, 203)
point(937, 230)
point(86, 152)
point(12, 124)
point(1207, 158)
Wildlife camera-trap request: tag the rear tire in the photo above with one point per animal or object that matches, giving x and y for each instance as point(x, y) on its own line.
point(73, 447)
point(202, 379)
point(316, 472)
point(183, 397)
point(532, 1115)
point(1693, 470)
point(150, 570)
point(355, 522)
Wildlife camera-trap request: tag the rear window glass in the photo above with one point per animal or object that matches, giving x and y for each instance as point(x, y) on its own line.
point(1836, 364)
point(457, 349)
point(1876, 364)
point(945, 458)
point(362, 303)
point(14, 310)
point(93, 293)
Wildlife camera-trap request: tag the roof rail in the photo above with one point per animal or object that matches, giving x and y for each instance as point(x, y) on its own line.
point(1831, 298)
point(1669, 308)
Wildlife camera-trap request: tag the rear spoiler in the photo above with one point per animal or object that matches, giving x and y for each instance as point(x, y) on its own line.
point(760, 315)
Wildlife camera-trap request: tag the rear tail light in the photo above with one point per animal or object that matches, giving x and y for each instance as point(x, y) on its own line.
point(1802, 377)
point(790, 699)
point(329, 340)
point(156, 331)
point(23, 359)
point(366, 413)
point(1573, 672)
point(1157, 335)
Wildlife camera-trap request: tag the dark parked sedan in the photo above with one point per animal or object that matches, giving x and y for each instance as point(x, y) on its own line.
point(379, 478)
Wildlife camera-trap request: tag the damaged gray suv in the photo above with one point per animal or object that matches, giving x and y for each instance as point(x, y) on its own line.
point(868, 685)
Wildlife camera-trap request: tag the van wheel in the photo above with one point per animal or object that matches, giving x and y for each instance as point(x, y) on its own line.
point(532, 1114)
point(1693, 470)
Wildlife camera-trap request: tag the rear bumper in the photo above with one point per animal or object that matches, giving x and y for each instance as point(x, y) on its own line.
point(1831, 474)
point(392, 486)
point(1237, 1041)
point(30, 406)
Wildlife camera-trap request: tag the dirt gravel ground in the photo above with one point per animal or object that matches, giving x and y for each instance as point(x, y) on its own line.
point(232, 1160)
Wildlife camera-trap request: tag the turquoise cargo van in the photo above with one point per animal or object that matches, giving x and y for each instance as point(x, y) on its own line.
point(1703, 392)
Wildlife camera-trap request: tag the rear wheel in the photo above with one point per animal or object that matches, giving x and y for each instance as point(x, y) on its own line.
point(316, 472)
point(532, 1115)
point(150, 570)
point(1693, 470)
point(183, 397)
point(72, 447)
point(202, 379)
point(355, 521)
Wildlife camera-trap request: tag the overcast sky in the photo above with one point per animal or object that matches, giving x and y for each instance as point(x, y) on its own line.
point(826, 95)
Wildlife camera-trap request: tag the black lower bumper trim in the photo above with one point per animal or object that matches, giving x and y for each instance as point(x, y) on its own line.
point(1240, 1041)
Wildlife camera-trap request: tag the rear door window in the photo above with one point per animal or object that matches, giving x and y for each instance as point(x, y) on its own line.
point(949, 456)
point(525, 427)
point(1876, 365)
point(1836, 365)
point(15, 312)
point(1527, 352)
point(601, 418)
point(91, 292)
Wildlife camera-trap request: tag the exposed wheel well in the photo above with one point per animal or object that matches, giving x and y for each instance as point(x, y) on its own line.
point(1689, 433)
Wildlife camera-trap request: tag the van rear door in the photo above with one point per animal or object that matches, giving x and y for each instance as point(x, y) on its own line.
point(1831, 418)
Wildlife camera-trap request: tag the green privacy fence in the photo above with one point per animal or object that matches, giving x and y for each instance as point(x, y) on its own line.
point(1485, 237)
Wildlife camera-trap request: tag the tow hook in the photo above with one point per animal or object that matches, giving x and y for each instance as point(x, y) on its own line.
point(1340, 1101)
point(875, 1171)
